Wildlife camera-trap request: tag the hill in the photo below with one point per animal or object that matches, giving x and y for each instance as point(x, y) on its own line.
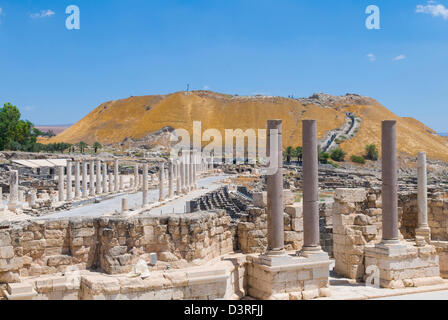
point(138, 117)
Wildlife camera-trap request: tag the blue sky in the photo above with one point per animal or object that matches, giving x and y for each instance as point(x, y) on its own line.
point(281, 47)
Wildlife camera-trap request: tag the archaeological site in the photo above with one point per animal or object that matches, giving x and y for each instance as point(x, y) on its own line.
point(223, 159)
point(153, 226)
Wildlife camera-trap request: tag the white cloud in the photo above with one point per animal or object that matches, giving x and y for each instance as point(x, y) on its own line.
point(43, 14)
point(400, 57)
point(434, 9)
point(29, 108)
point(205, 87)
point(371, 57)
point(1, 13)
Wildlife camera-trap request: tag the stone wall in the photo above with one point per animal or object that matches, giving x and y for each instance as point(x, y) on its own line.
point(222, 279)
point(35, 248)
point(252, 229)
point(357, 217)
point(437, 214)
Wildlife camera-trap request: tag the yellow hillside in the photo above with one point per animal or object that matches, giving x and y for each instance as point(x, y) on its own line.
point(137, 117)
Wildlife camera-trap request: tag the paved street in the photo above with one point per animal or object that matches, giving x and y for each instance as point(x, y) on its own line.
point(109, 206)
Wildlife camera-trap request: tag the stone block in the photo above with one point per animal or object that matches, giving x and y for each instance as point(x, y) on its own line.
point(6, 252)
point(350, 195)
point(260, 199)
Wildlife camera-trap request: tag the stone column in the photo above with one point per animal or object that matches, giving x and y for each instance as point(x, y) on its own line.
point(116, 173)
point(121, 183)
point(77, 181)
point(390, 182)
point(195, 169)
point(92, 178)
point(311, 236)
point(191, 171)
point(136, 177)
point(145, 186)
point(69, 181)
point(84, 179)
point(124, 205)
point(33, 197)
point(178, 178)
point(105, 189)
point(186, 172)
point(275, 192)
point(13, 190)
point(422, 199)
point(170, 179)
point(98, 177)
point(61, 183)
point(182, 174)
point(161, 178)
point(111, 183)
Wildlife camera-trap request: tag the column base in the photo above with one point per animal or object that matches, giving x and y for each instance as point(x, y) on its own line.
point(403, 264)
point(288, 277)
point(424, 232)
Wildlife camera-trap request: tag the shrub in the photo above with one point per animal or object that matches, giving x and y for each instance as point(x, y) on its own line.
point(338, 155)
point(371, 152)
point(357, 159)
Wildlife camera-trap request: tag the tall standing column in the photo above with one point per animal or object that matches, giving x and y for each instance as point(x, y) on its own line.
point(105, 189)
point(390, 182)
point(145, 185)
point(136, 186)
point(275, 191)
point(84, 180)
point(422, 199)
point(182, 174)
point(186, 171)
point(69, 181)
point(161, 182)
point(170, 179)
point(13, 203)
point(195, 169)
point(121, 183)
point(178, 178)
point(98, 177)
point(77, 181)
point(116, 173)
point(61, 183)
point(310, 184)
point(111, 183)
point(191, 171)
point(92, 178)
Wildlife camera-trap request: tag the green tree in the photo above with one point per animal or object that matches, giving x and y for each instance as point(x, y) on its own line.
point(82, 145)
point(16, 134)
point(298, 153)
point(371, 152)
point(337, 155)
point(289, 152)
point(322, 156)
point(97, 146)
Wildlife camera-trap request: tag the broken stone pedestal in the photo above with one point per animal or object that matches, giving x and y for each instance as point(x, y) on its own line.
point(288, 277)
point(403, 264)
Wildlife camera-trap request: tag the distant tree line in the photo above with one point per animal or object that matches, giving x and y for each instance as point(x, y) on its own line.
point(337, 155)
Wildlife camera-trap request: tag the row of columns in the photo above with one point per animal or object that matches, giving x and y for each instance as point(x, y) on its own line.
point(183, 170)
point(390, 232)
point(104, 182)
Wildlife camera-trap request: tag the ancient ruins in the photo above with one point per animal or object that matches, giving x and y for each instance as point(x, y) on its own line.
point(154, 227)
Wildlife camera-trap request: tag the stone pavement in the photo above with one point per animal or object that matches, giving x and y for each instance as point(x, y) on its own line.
point(110, 206)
